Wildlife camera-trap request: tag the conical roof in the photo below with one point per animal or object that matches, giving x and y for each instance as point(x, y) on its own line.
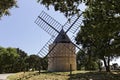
point(62, 38)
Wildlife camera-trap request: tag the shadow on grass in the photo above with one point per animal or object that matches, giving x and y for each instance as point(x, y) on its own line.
point(55, 73)
point(96, 76)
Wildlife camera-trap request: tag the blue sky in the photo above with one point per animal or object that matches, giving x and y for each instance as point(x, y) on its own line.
point(19, 29)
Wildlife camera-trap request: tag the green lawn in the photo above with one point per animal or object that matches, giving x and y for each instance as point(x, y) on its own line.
point(76, 75)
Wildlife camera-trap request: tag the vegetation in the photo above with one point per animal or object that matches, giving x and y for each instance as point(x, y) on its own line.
point(8, 58)
point(76, 75)
point(16, 60)
point(5, 5)
point(100, 34)
point(86, 62)
point(68, 7)
point(96, 76)
point(22, 75)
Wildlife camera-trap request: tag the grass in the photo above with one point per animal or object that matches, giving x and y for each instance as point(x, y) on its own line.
point(76, 75)
point(22, 76)
point(96, 76)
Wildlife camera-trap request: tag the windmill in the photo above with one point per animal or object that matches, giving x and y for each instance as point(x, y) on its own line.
point(60, 49)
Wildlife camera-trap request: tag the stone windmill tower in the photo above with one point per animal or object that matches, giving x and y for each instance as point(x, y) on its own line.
point(61, 57)
point(60, 49)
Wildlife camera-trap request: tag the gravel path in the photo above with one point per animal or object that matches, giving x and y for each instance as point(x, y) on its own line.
point(4, 76)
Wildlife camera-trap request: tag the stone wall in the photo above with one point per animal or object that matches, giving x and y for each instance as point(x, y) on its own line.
point(61, 57)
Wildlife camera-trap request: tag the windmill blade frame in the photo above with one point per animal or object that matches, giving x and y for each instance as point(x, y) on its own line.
point(48, 24)
point(44, 50)
point(73, 24)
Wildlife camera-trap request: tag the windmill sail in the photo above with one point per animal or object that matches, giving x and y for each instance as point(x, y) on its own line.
point(48, 24)
point(45, 50)
point(74, 42)
point(74, 24)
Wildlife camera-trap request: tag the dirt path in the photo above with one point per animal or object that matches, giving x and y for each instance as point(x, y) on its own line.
point(4, 76)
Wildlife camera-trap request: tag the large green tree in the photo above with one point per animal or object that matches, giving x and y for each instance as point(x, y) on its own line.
point(5, 5)
point(8, 57)
point(101, 30)
point(12, 60)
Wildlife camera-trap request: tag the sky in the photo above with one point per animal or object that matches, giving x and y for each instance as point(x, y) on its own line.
point(19, 30)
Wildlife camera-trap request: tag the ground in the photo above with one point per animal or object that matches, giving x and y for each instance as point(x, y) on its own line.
point(4, 76)
point(76, 75)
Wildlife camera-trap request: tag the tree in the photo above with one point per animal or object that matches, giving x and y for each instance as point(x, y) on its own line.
point(99, 62)
point(2, 51)
point(8, 57)
point(85, 60)
point(68, 7)
point(16, 60)
point(81, 60)
point(5, 5)
point(101, 30)
point(21, 65)
point(33, 61)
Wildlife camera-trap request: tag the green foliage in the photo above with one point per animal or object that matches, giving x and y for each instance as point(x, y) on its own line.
point(5, 5)
point(44, 63)
point(20, 64)
point(68, 7)
point(101, 30)
point(86, 61)
point(16, 60)
point(33, 61)
point(81, 60)
point(8, 57)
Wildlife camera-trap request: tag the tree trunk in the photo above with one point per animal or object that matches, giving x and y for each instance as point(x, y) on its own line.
point(100, 66)
point(107, 64)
